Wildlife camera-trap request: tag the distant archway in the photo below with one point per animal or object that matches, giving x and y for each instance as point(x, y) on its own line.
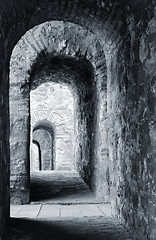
point(44, 134)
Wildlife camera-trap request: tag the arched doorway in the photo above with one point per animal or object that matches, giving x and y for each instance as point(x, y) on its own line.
point(43, 133)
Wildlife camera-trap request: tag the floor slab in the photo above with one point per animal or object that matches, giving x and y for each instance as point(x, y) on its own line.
point(28, 211)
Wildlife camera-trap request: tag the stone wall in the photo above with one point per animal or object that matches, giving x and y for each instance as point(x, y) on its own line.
point(4, 151)
point(131, 113)
point(138, 130)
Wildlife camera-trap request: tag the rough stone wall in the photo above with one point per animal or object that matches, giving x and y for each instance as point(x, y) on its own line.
point(84, 137)
point(139, 114)
point(56, 100)
point(131, 128)
point(4, 150)
point(19, 142)
point(46, 146)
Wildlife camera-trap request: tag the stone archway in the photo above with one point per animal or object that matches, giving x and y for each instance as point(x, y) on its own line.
point(60, 53)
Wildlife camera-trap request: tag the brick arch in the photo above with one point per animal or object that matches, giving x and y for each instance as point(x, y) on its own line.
point(56, 38)
point(44, 124)
point(52, 117)
point(21, 16)
point(106, 20)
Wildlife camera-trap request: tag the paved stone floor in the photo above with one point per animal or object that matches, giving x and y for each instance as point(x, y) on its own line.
point(60, 210)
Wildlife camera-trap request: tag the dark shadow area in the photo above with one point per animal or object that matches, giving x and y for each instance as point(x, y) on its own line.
point(39, 153)
point(97, 228)
point(58, 185)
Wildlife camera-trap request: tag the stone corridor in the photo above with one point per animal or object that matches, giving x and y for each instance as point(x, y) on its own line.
point(78, 93)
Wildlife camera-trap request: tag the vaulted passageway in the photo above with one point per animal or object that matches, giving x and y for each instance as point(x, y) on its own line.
point(77, 73)
point(57, 103)
point(109, 50)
